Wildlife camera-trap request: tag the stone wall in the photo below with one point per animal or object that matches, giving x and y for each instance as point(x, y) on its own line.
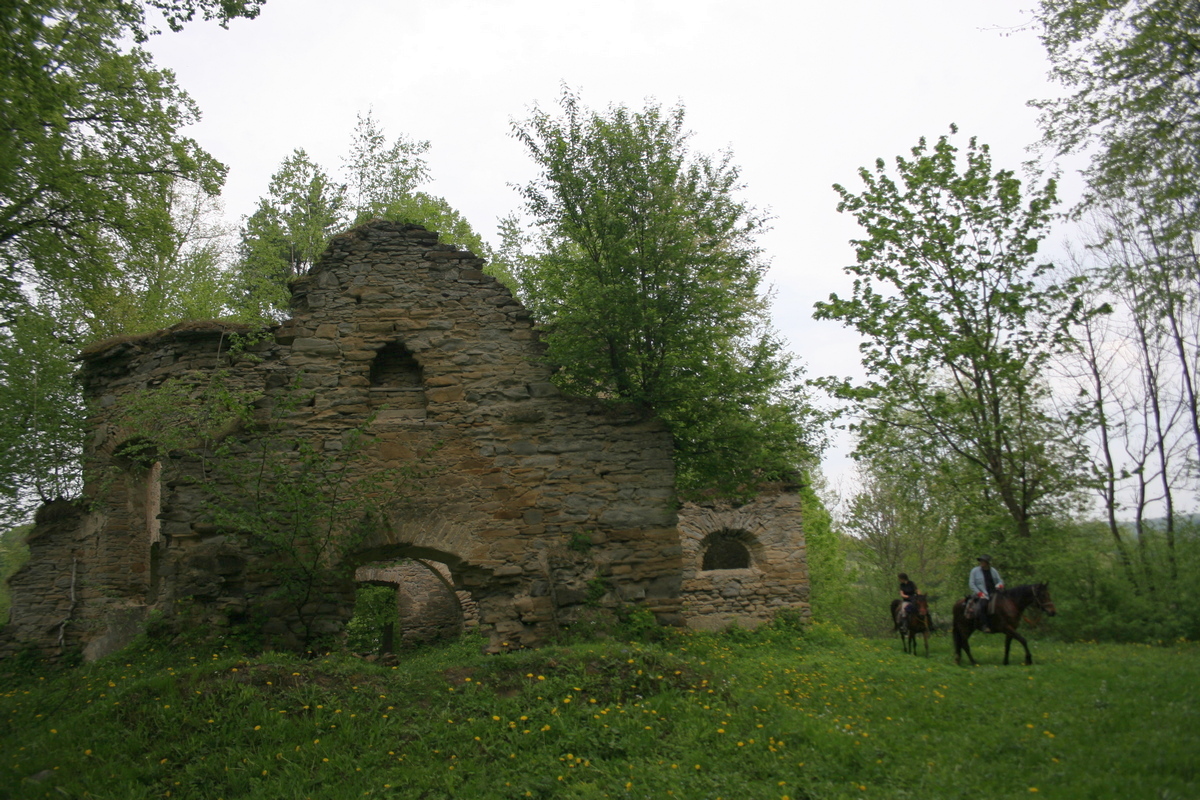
point(529, 500)
point(756, 561)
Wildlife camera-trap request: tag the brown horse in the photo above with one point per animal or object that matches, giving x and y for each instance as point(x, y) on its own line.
point(1010, 605)
point(918, 621)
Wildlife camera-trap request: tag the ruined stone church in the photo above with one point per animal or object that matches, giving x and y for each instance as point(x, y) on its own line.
point(536, 509)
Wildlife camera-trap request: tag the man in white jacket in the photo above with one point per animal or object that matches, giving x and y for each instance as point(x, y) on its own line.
point(984, 582)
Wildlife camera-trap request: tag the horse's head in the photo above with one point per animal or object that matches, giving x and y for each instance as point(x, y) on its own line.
point(1041, 597)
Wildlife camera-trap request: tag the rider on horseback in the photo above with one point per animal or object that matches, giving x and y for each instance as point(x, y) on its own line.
point(908, 590)
point(984, 582)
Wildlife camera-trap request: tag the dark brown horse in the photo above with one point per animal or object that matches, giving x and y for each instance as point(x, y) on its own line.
point(916, 621)
point(1010, 605)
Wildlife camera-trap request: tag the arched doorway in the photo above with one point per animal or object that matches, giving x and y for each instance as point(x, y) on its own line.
point(406, 601)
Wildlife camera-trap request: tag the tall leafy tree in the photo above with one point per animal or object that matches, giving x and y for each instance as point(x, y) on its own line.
point(90, 158)
point(1132, 71)
point(959, 321)
point(182, 275)
point(647, 275)
point(378, 173)
point(89, 137)
point(304, 206)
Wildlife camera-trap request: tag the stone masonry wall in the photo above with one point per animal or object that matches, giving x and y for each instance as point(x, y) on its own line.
point(392, 327)
point(770, 530)
point(528, 497)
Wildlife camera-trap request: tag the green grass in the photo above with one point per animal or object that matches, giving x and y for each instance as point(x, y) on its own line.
point(770, 714)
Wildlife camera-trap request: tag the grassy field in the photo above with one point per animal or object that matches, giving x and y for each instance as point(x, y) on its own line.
point(771, 714)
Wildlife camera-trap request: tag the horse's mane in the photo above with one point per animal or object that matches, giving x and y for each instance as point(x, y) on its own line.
point(1026, 593)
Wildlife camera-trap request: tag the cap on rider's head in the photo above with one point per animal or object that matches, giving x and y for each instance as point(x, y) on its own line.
point(986, 559)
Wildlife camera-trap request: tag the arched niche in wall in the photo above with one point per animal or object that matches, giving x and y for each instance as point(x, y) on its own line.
point(725, 550)
point(397, 382)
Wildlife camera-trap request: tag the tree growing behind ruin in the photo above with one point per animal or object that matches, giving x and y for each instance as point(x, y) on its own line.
point(644, 268)
point(102, 201)
point(306, 204)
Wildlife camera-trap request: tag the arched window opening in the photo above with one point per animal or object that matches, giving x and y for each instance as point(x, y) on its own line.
point(397, 382)
point(395, 367)
point(725, 551)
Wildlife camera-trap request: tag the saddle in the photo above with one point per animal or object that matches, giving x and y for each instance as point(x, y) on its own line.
point(971, 606)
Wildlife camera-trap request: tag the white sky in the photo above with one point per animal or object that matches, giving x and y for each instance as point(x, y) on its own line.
point(804, 93)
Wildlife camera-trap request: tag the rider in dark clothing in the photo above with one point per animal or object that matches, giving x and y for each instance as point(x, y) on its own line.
point(908, 590)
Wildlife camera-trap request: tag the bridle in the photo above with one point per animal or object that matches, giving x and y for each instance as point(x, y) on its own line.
point(1039, 602)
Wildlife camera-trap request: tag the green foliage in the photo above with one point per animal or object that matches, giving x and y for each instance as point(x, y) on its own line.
point(41, 415)
point(829, 574)
point(1105, 602)
point(306, 205)
point(435, 214)
point(959, 322)
point(286, 234)
point(103, 220)
point(89, 146)
point(1132, 73)
point(639, 624)
point(580, 542)
point(13, 555)
point(379, 174)
point(646, 275)
point(374, 609)
point(815, 714)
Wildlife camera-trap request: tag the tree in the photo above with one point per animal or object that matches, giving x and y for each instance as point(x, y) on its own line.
point(91, 159)
point(380, 174)
point(1139, 366)
point(1132, 70)
point(89, 138)
point(959, 322)
point(306, 205)
point(182, 275)
point(303, 208)
point(647, 276)
point(41, 415)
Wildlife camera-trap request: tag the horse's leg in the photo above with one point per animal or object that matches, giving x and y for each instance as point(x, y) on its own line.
point(1025, 644)
point(960, 644)
point(927, 641)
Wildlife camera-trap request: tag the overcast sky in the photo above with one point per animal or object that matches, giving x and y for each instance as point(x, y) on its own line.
point(803, 93)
